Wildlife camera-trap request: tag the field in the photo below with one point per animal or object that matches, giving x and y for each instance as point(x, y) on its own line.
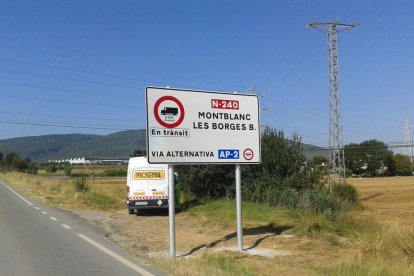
point(387, 200)
point(375, 239)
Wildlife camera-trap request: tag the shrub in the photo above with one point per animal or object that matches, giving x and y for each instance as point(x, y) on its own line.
point(99, 200)
point(348, 173)
point(345, 193)
point(288, 197)
point(68, 170)
point(79, 175)
point(32, 169)
point(114, 173)
point(81, 185)
point(321, 202)
point(51, 168)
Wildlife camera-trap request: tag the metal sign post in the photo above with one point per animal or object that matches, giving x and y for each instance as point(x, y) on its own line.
point(171, 209)
point(178, 122)
point(239, 209)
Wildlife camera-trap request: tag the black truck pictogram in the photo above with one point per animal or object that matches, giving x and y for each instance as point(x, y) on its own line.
point(169, 111)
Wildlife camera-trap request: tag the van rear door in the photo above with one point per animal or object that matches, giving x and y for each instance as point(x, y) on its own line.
point(149, 183)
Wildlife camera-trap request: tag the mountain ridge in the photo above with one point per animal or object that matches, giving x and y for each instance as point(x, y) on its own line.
point(117, 145)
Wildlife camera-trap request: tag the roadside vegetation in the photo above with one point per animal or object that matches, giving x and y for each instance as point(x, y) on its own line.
point(288, 208)
point(13, 161)
point(350, 244)
point(282, 179)
point(372, 158)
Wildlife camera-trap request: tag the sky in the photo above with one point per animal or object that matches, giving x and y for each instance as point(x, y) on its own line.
point(82, 66)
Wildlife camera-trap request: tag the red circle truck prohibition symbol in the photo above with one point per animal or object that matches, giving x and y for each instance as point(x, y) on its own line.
point(248, 154)
point(170, 112)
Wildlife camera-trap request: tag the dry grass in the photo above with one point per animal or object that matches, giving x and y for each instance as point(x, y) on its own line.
point(60, 192)
point(387, 200)
point(386, 239)
point(377, 240)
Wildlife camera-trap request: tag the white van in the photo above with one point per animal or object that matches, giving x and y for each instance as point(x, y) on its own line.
point(147, 185)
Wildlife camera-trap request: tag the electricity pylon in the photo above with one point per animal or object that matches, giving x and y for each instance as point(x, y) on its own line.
point(407, 140)
point(336, 144)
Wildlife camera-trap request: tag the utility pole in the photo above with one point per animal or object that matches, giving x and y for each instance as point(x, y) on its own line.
point(93, 170)
point(336, 143)
point(407, 139)
point(50, 171)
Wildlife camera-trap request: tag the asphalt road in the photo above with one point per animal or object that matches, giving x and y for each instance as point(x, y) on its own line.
point(40, 240)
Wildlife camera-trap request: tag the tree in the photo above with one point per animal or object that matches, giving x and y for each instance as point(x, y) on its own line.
point(367, 157)
point(207, 181)
point(282, 176)
point(1, 157)
point(391, 166)
point(51, 168)
point(12, 159)
point(403, 164)
point(354, 158)
point(319, 160)
point(281, 157)
point(282, 164)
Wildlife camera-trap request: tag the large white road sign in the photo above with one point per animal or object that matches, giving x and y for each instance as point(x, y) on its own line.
point(185, 127)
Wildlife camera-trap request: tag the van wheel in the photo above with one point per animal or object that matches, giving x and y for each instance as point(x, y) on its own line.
point(130, 211)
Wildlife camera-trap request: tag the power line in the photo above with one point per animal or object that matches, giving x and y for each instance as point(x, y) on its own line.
point(387, 10)
point(69, 116)
point(70, 102)
point(283, 58)
point(77, 124)
point(362, 148)
point(299, 80)
point(296, 65)
point(79, 71)
point(90, 56)
point(69, 79)
point(67, 90)
point(60, 125)
point(146, 81)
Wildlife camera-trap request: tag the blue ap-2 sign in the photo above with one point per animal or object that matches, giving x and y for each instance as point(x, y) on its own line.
point(228, 154)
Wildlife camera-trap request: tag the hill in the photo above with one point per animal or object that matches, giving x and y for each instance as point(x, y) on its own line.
point(118, 145)
point(312, 151)
point(62, 146)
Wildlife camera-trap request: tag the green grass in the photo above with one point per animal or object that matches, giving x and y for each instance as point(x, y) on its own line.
point(224, 210)
point(225, 265)
point(355, 269)
point(99, 200)
point(371, 267)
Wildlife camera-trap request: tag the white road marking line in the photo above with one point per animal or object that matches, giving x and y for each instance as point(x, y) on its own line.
point(37, 208)
point(44, 213)
point(116, 256)
point(53, 218)
point(66, 226)
point(19, 196)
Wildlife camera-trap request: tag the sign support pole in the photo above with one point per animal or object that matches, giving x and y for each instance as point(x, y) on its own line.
point(171, 209)
point(239, 209)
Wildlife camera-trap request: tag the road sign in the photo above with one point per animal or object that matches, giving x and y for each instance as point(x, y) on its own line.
point(228, 154)
point(248, 154)
point(196, 127)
